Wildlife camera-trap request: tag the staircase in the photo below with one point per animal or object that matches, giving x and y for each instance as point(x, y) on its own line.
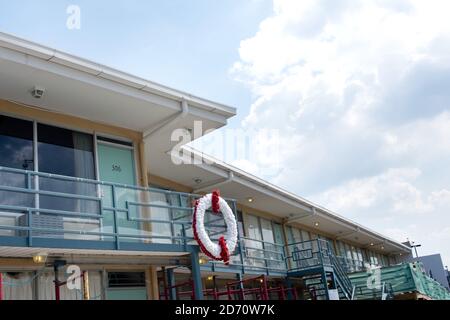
point(315, 288)
point(342, 279)
point(312, 261)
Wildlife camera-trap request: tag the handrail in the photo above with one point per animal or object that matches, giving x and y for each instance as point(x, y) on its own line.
point(267, 255)
point(346, 284)
point(99, 182)
point(270, 256)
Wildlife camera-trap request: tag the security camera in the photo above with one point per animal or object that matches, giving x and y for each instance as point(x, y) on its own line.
point(38, 92)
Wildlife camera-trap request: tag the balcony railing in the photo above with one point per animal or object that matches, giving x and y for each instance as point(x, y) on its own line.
point(38, 206)
point(313, 253)
point(351, 265)
point(46, 206)
point(308, 255)
point(256, 256)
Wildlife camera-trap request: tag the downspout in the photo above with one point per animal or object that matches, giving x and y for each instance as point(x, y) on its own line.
point(182, 114)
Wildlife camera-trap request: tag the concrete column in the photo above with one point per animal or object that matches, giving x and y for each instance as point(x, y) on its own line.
point(151, 277)
point(286, 247)
point(196, 276)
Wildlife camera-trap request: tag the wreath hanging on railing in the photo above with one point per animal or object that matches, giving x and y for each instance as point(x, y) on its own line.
point(217, 251)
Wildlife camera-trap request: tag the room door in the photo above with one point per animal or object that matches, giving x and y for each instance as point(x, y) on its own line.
point(116, 165)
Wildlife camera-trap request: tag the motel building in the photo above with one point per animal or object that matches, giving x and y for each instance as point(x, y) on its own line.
point(92, 207)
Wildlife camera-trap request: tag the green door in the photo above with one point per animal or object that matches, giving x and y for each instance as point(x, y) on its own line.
point(116, 164)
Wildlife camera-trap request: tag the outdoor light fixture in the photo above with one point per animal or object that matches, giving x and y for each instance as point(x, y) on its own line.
point(316, 224)
point(371, 244)
point(201, 261)
point(37, 92)
point(250, 200)
point(40, 258)
point(210, 278)
point(382, 248)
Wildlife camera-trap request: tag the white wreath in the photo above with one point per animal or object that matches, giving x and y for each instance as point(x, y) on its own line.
point(214, 250)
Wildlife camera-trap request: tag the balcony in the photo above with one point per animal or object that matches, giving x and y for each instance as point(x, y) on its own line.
point(306, 255)
point(40, 210)
point(254, 257)
point(51, 211)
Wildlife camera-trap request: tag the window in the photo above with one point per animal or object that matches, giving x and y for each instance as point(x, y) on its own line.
point(65, 152)
point(266, 230)
point(126, 279)
point(16, 151)
point(253, 231)
point(305, 235)
point(341, 248)
point(16, 143)
point(254, 249)
point(294, 235)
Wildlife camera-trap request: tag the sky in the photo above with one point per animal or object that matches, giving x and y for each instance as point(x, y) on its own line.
point(346, 103)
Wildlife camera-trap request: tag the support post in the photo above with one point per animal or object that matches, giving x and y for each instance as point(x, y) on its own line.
point(1, 286)
point(265, 289)
point(196, 275)
point(241, 285)
point(171, 284)
point(56, 265)
point(325, 282)
point(86, 293)
point(151, 279)
point(216, 296)
point(290, 295)
point(56, 281)
point(104, 286)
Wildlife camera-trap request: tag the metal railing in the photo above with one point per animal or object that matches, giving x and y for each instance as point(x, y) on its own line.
point(41, 205)
point(308, 254)
point(257, 256)
point(351, 265)
point(48, 206)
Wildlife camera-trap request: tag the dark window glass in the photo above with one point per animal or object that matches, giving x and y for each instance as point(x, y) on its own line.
point(119, 142)
point(65, 152)
point(126, 279)
point(16, 143)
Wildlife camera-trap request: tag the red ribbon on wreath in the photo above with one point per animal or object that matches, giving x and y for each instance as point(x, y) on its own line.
point(215, 201)
point(224, 252)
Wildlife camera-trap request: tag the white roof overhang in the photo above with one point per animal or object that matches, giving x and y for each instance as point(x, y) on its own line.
point(292, 209)
point(85, 89)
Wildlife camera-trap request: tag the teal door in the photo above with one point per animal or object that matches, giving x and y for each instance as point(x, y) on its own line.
point(116, 164)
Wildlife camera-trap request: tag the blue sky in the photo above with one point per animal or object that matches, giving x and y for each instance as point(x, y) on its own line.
point(354, 93)
point(188, 45)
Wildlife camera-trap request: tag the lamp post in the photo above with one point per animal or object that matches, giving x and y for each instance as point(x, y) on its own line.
point(415, 246)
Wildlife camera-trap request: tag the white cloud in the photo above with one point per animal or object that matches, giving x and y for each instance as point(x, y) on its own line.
point(359, 92)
